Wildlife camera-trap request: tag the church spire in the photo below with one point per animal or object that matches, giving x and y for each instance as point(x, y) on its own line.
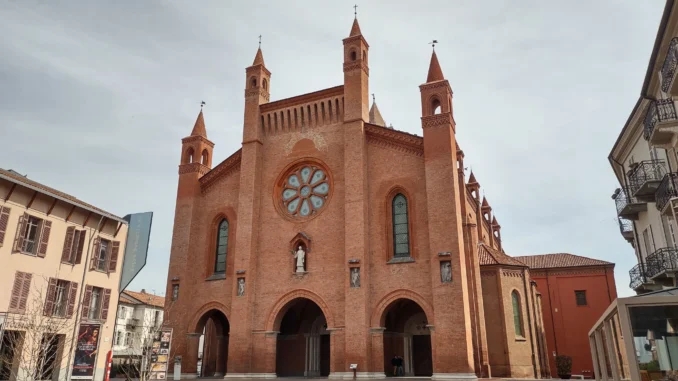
point(199, 127)
point(435, 73)
point(259, 58)
point(355, 29)
point(375, 115)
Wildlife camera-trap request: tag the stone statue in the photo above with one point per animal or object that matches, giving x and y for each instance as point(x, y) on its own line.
point(300, 256)
point(445, 272)
point(355, 277)
point(241, 286)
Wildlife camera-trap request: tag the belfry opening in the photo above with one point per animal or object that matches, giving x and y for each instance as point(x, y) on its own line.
point(303, 344)
point(213, 346)
point(407, 340)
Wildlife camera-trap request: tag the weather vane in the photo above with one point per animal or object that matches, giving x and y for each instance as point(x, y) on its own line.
point(433, 43)
point(373, 98)
point(355, 11)
point(202, 103)
point(259, 41)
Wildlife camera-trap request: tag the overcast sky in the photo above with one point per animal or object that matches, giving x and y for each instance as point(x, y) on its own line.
point(96, 96)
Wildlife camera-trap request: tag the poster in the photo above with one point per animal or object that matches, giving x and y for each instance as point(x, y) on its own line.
point(86, 351)
point(160, 354)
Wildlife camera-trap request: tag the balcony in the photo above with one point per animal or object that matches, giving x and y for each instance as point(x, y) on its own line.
point(628, 207)
point(637, 277)
point(644, 178)
point(626, 229)
point(662, 265)
point(666, 192)
point(669, 82)
point(660, 123)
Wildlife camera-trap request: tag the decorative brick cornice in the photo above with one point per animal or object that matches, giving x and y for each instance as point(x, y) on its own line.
point(196, 138)
point(357, 64)
point(397, 140)
point(257, 92)
point(512, 273)
point(250, 69)
point(193, 167)
point(435, 85)
point(225, 168)
point(332, 92)
point(359, 37)
point(437, 120)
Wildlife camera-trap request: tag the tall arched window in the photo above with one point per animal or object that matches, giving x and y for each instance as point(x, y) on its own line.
point(222, 247)
point(401, 235)
point(517, 316)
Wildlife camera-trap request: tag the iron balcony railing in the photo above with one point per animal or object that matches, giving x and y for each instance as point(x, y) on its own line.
point(661, 110)
point(662, 260)
point(666, 190)
point(622, 198)
point(646, 170)
point(625, 226)
point(670, 64)
point(637, 276)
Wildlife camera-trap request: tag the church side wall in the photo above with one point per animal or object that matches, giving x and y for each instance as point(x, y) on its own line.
point(519, 348)
point(494, 323)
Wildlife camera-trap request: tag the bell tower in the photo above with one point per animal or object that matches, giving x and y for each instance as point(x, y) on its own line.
point(356, 76)
point(257, 90)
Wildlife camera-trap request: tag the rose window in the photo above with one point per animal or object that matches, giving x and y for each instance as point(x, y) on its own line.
point(305, 191)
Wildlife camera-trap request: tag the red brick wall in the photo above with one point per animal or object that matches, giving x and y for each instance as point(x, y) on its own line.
point(566, 324)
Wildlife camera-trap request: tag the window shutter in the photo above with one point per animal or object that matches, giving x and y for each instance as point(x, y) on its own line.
point(85, 302)
point(104, 304)
point(95, 254)
point(81, 246)
point(16, 291)
point(20, 233)
point(44, 238)
point(68, 244)
point(48, 308)
point(4, 221)
point(72, 295)
point(25, 290)
point(113, 263)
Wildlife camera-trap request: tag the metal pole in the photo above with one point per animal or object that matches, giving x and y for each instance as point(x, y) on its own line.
point(78, 309)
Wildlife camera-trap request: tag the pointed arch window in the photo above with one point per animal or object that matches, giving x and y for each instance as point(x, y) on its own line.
point(222, 247)
point(517, 316)
point(401, 232)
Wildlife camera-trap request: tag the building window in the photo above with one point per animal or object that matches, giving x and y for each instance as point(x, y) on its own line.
point(517, 316)
point(48, 361)
point(222, 247)
point(31, 235)
point(95, 304)
point(580, 296)
point(123, 313)
point(61, 298)
point(103, 255)
point(175, 292)
point(401, 235)
point(74, 243)
point(156, 319)
point(117, 337)
point(128, 338)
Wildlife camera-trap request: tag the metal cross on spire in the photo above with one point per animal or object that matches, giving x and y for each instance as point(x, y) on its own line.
point(355, 11)
point(433, 43)
point(259, 41)
point(373, 98)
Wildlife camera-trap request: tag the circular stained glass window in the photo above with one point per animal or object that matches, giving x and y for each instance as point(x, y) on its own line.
point(305, 190)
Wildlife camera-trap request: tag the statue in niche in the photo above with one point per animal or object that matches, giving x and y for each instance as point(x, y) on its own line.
point(241, 286)
point(300, 256)
point(446, 272)
point(355, 277)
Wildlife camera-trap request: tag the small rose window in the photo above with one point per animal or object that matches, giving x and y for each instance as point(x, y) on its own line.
point(305, 191)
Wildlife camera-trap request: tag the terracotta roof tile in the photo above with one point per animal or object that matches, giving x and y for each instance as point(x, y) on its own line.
point(13, 176)
point(558, 260)
point(491, 256)
point(146, 298)
point(435, 73)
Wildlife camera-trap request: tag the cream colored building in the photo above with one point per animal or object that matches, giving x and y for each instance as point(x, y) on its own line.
point(60, 265)
point(645, 160)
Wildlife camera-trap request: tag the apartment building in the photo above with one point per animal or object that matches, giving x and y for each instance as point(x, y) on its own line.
point(645, 161)
point(140, 314)
point(60, 266)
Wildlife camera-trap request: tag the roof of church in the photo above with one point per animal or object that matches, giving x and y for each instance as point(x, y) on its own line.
point(491, 256)
point(259, 58)
point(435, 73)
point(472, 178)
point(375, 115)
point(199, 127)
point(355, 29)
point(557, 260)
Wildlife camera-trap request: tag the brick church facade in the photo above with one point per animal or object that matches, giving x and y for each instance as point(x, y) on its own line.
point(401, 255)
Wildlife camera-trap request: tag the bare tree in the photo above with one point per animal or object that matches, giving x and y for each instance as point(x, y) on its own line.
point(37, 334)
point(150, 359)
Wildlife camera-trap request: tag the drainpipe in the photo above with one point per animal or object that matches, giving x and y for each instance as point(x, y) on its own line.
point(529, 322)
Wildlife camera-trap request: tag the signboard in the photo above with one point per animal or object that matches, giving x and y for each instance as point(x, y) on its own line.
point(136, 248)
point(86, 351)
point(160, 352)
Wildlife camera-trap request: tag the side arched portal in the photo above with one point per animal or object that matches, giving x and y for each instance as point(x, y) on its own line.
point(407, 340)
point(213, 345)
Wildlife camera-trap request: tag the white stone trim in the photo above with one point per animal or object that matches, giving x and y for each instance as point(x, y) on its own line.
point(454, 376)
point(250, 375)
point(359, 375)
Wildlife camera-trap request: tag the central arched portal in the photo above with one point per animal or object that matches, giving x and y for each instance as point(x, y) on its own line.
point(303, 345)
point(213, 344)
point(407, 339)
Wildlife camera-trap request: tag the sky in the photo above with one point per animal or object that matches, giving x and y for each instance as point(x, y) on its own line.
point(96, 96)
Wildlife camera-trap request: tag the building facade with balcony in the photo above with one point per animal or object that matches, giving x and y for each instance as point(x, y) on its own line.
point(645, 161)
point(140, 314)
point(60, 266)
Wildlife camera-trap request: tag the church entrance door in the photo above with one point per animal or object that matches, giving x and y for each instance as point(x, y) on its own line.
point(303, 345)
point(407, 339)
point(213, 345)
